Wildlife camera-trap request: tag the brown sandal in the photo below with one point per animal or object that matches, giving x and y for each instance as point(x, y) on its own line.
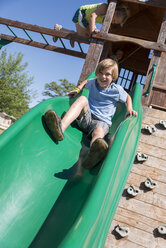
point(97, 152)
point(53, 122)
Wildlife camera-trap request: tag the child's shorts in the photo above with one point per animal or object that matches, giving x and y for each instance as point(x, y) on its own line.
point(79, 18)
point(89, 122)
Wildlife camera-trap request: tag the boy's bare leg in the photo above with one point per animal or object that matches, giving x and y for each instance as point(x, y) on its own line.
point(97, 133)
point(77, 109)
point(82, 31)
point(57, 126)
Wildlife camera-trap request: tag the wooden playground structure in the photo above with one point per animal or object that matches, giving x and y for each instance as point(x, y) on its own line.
point(143, 42)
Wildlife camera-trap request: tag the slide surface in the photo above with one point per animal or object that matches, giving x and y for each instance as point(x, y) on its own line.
point(46, 198)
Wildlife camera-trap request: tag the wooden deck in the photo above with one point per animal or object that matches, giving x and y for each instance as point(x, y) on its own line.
point(146, 211)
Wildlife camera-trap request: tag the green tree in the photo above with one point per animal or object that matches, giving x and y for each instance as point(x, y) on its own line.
point(53, 89)
point(14, 84)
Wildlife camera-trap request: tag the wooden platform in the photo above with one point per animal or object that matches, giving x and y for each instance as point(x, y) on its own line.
point(146, 211)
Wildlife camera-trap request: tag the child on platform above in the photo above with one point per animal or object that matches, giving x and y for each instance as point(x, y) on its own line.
point(87, 16)
point(93, 115)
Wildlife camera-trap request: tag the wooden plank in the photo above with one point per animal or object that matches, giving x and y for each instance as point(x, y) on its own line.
point(92, 59)
point(158, 93)
point(160, 115)
point(136, 223)
point(159, 59)
point(137, 179)
point(109, 16)
point(145, 212)
point(155, 140)
point(141, 221)
point(160, 73)
point(63, 33)
point(152, 150)
point(43, 46)
point(158, 99)
point(155, 173)
point(159, 86)
point(155, 3)
point(127, 244)
point(150, 118)
point(119, 38)
point(154, 60)
point(96, 47)
point(111, 242)
point(160, 133)
point(155, 163)
point(149, 197)
point(158, 107)
point(144, 208)
point(157, 136)
point(136, 236)
point(162, 33)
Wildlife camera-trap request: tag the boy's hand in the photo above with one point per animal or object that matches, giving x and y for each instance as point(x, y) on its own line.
point(131, 113)
point(95, 31)
point(129, 107)
point(74, 92)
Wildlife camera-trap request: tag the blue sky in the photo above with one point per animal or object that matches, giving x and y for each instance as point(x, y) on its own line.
point(45, 66)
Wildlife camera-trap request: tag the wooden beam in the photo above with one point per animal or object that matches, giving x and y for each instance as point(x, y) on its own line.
point(108, 17)
point(162, 34)
point(143, 43)
point(155, 59)
point(43, 46)
point(92, 59)
point(160, 87)
point(160, 67)
point(96, 47)
point(155, 3)
point(63, 33)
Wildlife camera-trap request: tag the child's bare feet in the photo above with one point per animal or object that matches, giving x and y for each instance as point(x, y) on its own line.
point(57, 27)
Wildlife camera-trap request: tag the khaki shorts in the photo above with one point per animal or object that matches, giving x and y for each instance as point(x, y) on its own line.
point(89, 122)
point(79, 18)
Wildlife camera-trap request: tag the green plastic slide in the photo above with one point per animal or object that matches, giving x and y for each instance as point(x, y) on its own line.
point(46, 198)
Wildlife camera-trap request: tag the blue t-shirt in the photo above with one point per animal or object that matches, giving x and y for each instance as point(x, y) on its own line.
point(102, 102)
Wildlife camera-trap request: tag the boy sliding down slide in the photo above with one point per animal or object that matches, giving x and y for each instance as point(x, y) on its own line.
point(93, 115)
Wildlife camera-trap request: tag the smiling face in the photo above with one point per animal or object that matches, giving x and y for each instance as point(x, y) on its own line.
point(104, 77)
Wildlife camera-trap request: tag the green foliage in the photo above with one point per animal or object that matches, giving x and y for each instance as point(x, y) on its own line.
point(14, 83)
point(53, 89)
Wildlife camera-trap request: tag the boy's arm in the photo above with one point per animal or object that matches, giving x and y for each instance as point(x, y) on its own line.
point(78, 89)
point(129, 107)
point(82, 85)
point(101, 10)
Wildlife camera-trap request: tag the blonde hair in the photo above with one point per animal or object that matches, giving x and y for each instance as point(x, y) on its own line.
point(123, 12)
point(108, 63)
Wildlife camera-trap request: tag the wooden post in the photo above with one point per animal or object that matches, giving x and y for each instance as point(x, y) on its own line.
point(154, 60)
point(96, 46)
